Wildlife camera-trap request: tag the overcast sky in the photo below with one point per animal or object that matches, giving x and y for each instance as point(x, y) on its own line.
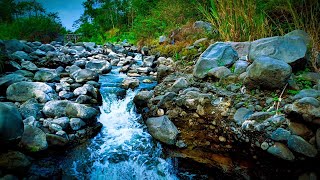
point(69, 10)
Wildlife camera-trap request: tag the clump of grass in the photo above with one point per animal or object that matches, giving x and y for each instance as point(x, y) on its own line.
point(239, 20)
point(306, 17)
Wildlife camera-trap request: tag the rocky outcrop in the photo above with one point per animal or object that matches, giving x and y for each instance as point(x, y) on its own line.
point(162, 129)
point(33, 139)
point(216, 55)
point(226, 114)
point(288, 48)
point(23, 91)
point(267, 73)
point(11, 125)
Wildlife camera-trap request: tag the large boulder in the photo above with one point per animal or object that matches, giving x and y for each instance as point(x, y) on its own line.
point(268, 73)
point(84, 75)
point(9, 79)
point(47, 47)
point(142, 98)
point(308, 108)
point(298, 144)
point(61, 108)
point(29, 66)
point(99, 66)
point(288, 48)
point(14, 45)
point(130, 83)
point(46, 75)
point(14, 161)
point(75, 110)
point(33, 139)
point(218, 54)
point(162, 129)
point(11, 124)
point(31, 108)
point(21, 55)
point(23, 91)
point(89, 45)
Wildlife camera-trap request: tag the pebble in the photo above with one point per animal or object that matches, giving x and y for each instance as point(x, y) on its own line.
point(160, 112)
point(222, 139)
point(264, 146)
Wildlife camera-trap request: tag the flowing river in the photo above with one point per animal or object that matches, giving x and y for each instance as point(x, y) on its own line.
point(123, 149)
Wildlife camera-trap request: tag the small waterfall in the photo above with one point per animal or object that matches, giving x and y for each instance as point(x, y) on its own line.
point(123, 149)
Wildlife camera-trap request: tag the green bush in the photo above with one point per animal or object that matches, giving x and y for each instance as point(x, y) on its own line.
point(41, 28)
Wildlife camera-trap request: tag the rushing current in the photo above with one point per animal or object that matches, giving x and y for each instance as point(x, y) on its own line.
point(123, 149)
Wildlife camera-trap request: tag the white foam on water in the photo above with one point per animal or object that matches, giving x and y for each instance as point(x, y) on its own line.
point(124, 149)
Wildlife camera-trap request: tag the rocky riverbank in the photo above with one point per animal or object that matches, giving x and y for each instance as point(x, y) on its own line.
point(245, 110)
point(249, 109)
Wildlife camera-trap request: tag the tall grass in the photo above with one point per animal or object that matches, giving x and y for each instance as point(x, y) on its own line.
point(307, 17)
point(247, 20)
point(237, 20)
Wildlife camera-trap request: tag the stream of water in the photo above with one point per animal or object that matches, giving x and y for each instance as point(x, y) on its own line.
point(123, 149)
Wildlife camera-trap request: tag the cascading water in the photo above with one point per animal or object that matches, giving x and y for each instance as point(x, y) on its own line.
point(123, 149)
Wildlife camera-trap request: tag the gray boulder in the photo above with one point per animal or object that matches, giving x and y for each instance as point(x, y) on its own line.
point(47, 47)
point(219, 72)
point(31, 108)
point(308, 108)
point(72, 69)
point(268, 73)
point(148, 61)
point(281, 151)
point(11, 124)
point(179, 84)
point(89, 45)
point(24, 73)
point(55, 140)
point(288, 48)
point(14, 161)
point(130, 83)
point(203, 25)
point(38, 53)
point(76, 123)
point(15, 45)
point(75, 110)
point(162, 129)
point(55, 108)
point(142, 98)
point(64, 122)
point(33, 139)
point(23, 91)
point(216, 55)
point(280, 134)
point(84, 75)
point(99, 66)
point(307, 93)
point(242, 48)
point(9, 79)
point(241, 115)
point(21, 56)
point(29, 66)
point(240, 66)
point(298, 144)
point(61, 108)
point(46, 75)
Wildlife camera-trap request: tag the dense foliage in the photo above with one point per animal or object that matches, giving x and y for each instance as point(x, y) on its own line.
point(28, 20)
point(143, 21)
